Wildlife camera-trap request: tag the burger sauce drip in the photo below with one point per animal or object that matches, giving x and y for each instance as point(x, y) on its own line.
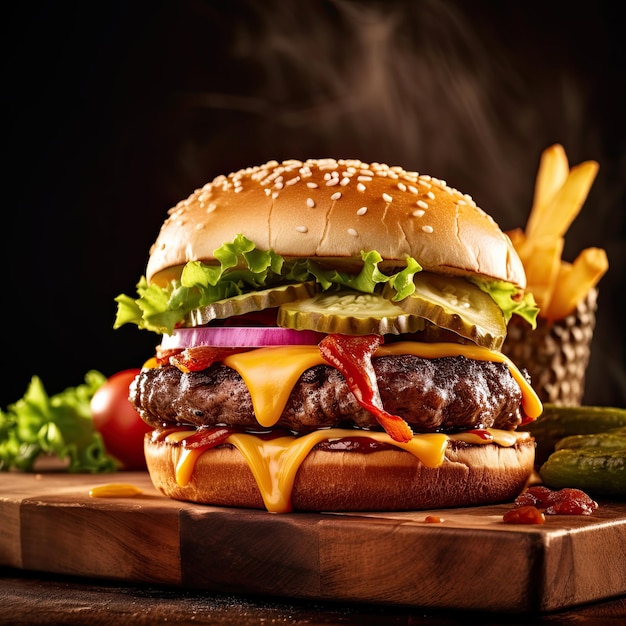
point(481, 433)
point(352, 356)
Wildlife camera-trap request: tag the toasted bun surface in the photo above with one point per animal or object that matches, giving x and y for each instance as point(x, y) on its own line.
point(387, 480)
point(333, 209)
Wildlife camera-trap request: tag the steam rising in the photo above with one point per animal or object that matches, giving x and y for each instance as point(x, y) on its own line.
point(468, 92)
point(415, 83)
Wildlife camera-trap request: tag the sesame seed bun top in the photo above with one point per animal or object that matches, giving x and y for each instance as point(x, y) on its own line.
point(334, 209)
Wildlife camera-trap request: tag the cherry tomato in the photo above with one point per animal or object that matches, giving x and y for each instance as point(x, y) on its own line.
point(118, 422)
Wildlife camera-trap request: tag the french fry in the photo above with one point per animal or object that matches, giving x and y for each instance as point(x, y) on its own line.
point(551, 175)
point(541, 261)
point(518, 239)
point(556, 354)
point(559, 195)
point(555, 218)
point(575, 280)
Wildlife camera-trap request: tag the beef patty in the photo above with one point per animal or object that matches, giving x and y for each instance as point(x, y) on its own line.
point(444, 395)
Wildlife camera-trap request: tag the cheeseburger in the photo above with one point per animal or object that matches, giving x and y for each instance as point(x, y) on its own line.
point(330, 341)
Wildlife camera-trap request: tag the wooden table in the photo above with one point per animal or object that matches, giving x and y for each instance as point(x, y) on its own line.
point(64, 554)
point(29, 599)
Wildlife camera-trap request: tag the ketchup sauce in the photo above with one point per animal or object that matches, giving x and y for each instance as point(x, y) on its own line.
point(535, 503)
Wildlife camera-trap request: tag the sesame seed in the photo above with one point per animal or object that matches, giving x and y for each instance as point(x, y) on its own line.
point(431, 195)
point(362, 211)
point(312, 185)
point(361, 187)
point(364, 179)
point(268, 191)
point(302, 229)
point(418, 213)
point(387, 197)
point(275, 195)
point(336, 195)
point(401, 186)
point(344, 181)
point(293, 181)
point(332, 182)
point(352, 232)
point(422, 204)
point(199, 226)
point(279, 185)
point(412, 189)
point(310, 202)
point(427, 229)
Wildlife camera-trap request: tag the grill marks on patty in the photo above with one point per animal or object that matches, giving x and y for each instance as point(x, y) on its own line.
point(445, 394)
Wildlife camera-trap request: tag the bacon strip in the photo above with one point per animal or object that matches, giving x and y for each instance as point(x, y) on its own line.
point(199, 358)
point(352, 356)
point(163, 356)
point(208, 437)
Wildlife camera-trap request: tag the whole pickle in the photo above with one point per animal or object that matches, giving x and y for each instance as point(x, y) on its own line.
point(594, 470)
point(614, 439)
point(557, 422)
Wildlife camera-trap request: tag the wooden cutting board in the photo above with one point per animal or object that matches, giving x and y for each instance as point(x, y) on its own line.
point(469, 560)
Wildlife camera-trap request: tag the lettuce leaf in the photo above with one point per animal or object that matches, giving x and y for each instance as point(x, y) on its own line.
point(60, 425)
point(243, 268)
point(506, 296)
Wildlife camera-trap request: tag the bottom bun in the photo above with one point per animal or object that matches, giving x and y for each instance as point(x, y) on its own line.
point(386, 480)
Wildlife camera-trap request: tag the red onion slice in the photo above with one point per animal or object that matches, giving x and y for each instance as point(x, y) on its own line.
point(237, 336)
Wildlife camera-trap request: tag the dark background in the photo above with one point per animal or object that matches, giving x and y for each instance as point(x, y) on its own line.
point(114, 111)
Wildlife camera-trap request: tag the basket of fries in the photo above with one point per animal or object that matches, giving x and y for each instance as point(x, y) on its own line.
point(556, 353)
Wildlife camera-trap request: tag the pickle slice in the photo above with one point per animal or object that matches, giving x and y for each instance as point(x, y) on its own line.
point(349, 313)
point(250, 302)
point(457, 305)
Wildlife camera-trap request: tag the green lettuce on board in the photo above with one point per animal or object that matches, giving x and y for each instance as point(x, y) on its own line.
point(60, 426)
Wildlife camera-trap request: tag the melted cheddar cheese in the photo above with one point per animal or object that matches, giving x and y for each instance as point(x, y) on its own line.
point(275, 462)
point(271, 373)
